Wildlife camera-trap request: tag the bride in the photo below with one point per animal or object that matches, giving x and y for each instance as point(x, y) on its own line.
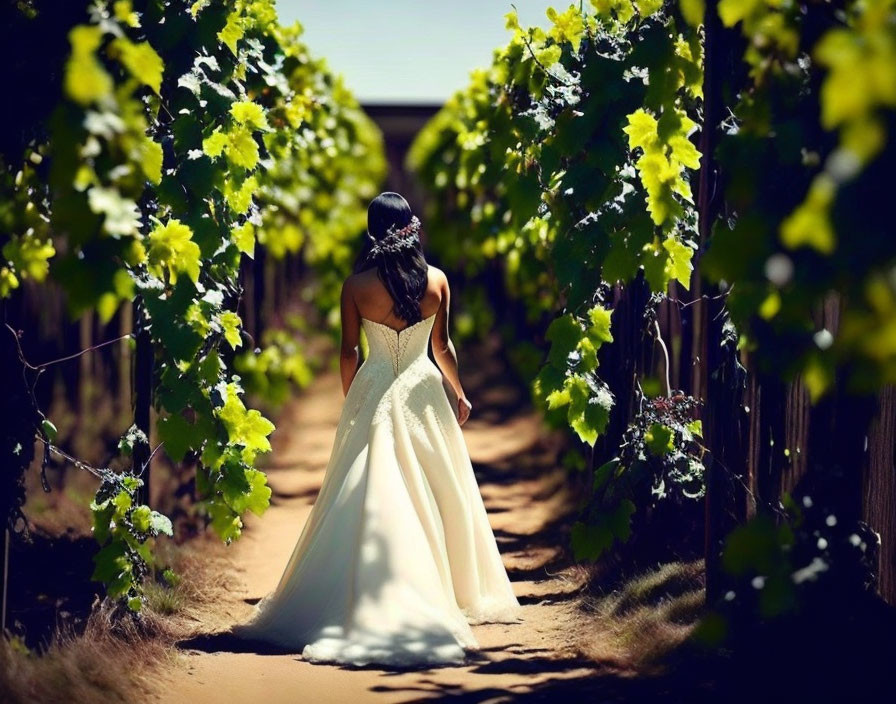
point(397, 557)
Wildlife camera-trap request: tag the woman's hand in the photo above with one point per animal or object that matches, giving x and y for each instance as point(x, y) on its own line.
point(463, 409)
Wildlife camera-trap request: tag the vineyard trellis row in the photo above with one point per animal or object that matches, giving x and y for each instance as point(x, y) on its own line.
point(694, 192)
point(181, 135)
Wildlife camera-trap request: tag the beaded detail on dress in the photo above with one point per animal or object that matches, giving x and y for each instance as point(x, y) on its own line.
point(403, 345)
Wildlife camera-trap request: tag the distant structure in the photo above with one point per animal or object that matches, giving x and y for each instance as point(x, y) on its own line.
point(400, 123)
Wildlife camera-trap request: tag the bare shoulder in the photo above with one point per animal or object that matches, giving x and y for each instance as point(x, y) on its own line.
point(357, 281)
point(437, 277)
point(352, 285)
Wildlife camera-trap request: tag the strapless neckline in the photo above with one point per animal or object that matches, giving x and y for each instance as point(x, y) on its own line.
point(404, 329)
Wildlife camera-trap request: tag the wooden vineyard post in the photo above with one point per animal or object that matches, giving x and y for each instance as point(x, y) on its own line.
point(126, 320)
point(142, 386)
point(4, 565)
point(879, 490)
point(624, 361)
point(4, 578)
point(718, 376)
point(17, 440)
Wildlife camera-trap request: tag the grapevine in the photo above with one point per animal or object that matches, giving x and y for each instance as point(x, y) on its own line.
point(564, 163)
point(570, 167)
point(184, 133)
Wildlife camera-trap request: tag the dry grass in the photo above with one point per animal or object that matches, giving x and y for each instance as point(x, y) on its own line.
point(111, 661)
point(634, 627)
point(116, 659)
point(195, 603)
point(108, 658)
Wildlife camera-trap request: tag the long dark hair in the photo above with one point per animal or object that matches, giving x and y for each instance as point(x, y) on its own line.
point(404, 272)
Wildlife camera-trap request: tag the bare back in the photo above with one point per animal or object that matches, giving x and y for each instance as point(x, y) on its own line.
point(365, 296)
point(372, 299)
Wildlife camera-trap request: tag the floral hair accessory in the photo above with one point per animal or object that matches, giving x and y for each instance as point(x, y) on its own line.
point(395, 240)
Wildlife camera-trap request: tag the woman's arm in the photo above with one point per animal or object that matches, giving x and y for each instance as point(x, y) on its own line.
point(445, 355)
point(351, 336)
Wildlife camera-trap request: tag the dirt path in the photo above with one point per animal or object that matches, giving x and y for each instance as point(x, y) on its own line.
point(524, 495)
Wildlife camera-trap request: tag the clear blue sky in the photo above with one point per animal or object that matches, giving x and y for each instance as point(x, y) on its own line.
point(410, 51)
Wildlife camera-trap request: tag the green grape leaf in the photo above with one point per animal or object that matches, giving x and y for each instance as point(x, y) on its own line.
point(624, 9)
point(567, 26)
point(603, 474)
point(679, 265)
point(214, 144)
point(251, 493)
point(591, 540)
point(549, 55)
point(658, 175)
point(588, 413)
point(178, 435)
point(140, 518)
point(121, 584)
point(122, 215)
point(151, 161)
point(255, 430)
point(102, 518)
point(142, 61)
point(587, 349)
point(212, 457)
point(160, 523)
point(591, 421)
point(172, 579)
point(620, 520)
point(599, 329)
point(210, 367)
point(247, 428)
point(684, 151)
point(9, 282)
point(110, 563)
point(659, 439)
point(86, 81)
point(648, 7)
point(564, 333)
point(199, 6)
point(248, 113)
point(171, 246)
point(239, 199)
point(242, 149)
point(233, 31)
point(558, 398)
point(733, 11)
point(244, 238)
point(641, 130)
point(122, 502)
point(667, 261)
point(753, 547)
point(549, 379)
point(230, 323)
point(810, 223)
point(225, 522)
point(654, 263)
point(30, 256)
point(693, 11)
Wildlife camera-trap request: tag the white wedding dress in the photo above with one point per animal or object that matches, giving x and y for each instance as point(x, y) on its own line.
point(397, 557)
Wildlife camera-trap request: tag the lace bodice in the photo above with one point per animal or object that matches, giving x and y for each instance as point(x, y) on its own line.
point(398, 349)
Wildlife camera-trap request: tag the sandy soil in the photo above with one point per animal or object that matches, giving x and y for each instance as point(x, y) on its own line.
point(527, 501)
